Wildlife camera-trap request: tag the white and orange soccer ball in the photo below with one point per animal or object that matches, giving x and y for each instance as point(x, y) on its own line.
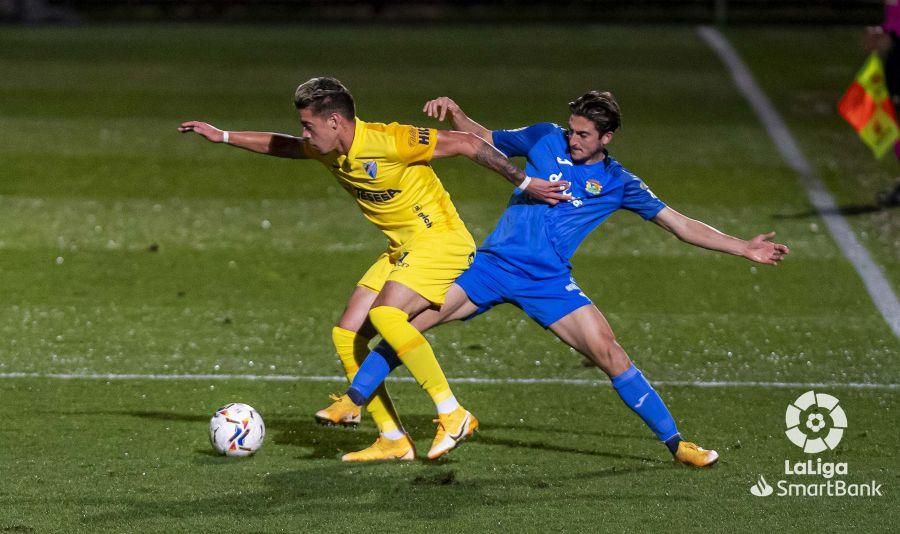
point(236, 430)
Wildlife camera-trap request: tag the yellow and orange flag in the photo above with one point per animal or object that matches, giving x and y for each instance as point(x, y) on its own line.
point(867, 107)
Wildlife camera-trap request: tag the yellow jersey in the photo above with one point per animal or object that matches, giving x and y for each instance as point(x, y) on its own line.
point(386, 170)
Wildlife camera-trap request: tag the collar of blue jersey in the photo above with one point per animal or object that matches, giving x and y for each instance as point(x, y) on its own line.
point(605, 158)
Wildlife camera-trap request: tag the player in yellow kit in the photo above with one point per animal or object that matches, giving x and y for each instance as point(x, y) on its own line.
point(385, 168)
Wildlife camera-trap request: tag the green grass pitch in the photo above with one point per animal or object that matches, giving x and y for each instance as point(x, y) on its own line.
point(127, 248)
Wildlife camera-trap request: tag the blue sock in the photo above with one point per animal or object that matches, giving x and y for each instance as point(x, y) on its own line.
point(374, 369)
point(640, 396)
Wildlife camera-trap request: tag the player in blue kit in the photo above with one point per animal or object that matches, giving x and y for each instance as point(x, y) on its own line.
point(525, 260)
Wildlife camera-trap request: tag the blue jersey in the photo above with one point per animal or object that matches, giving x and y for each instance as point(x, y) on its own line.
point(538, 240)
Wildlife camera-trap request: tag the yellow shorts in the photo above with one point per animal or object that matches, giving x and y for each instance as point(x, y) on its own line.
point(428, 263)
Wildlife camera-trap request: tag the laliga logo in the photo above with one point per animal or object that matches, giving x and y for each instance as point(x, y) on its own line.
point(815, 423)
point(806, 420)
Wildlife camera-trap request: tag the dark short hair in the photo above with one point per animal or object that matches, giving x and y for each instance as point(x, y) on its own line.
point(599, 108)
point(325, 95)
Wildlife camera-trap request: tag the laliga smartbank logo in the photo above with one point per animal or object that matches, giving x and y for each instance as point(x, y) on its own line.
point(806, 423)
point(815, 422)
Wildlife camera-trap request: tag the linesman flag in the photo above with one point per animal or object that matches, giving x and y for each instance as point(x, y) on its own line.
point(867, 107)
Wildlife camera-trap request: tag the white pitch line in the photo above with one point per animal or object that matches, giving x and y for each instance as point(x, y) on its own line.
point(876, 284)
point(462, 380)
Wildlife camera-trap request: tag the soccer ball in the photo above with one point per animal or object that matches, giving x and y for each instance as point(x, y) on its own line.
point(236, 430)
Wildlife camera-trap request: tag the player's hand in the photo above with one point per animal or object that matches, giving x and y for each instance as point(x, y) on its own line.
point(761, 250)
point(439, 107)
point(206, 130)
point(547, 191)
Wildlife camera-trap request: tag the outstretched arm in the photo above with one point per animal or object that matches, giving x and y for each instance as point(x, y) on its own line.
point(450, 143)
point(273, 144)
point(758, 249)
point(441, 107)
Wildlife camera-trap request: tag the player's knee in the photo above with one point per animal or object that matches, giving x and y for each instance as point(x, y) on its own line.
point(606, 352)
point(603, 344)
point(383, 316)
point(376, 316)
point(351, 321)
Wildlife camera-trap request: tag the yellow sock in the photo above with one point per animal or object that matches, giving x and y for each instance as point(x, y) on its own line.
point(352, 349)
point(348, 344)
point(413, 350)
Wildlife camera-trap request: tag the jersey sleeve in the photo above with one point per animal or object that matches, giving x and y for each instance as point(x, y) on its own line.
point(639, 198)
point(519, 141)
point(414, 145)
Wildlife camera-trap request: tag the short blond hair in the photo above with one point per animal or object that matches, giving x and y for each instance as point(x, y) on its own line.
point(325, 95)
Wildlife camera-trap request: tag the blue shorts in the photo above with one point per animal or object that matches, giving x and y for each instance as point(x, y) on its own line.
point(546, 301)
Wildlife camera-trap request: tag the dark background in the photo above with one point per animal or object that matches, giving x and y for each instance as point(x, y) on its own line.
point(488, 11)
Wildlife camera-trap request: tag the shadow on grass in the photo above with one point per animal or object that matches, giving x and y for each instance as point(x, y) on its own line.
point(313, 494)
point(156, 415)
point(847, 211)
point(552, 447)
point(567, 431)
point(316, 483)
point(327, 442)
point(416, 491)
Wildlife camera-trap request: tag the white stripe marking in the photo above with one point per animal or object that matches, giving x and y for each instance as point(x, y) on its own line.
point(877, 285)
point(463, 380)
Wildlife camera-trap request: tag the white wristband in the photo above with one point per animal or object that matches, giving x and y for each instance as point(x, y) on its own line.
point(524, 185)
point(225, 137)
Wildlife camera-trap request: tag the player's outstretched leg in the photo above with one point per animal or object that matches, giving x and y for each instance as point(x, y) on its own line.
point(372, 373)
point(455, 423)
point(586, 330)
point(637, 393)
point(367, 382)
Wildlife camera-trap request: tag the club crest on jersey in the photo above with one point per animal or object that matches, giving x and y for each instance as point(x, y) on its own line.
point(371, 168)
point(593, 187)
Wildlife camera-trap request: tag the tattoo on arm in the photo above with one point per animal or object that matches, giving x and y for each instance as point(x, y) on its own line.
point(285, 146)
point(490, 157)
